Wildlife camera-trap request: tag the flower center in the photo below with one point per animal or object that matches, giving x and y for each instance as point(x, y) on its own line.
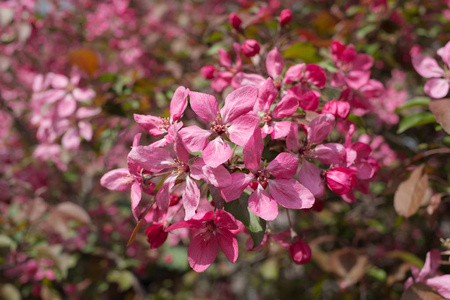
point(218, 127)
point(181, 167)
point(164, 124)
point(267, 117)
point(262, 176)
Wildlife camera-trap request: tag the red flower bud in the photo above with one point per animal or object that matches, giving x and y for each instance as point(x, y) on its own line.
point(300, 252)
point(250, 48)
point(208, 72)
point(285, 16)
point(339, 109)
point(341, 180)
point(156, 236)
point(235, 21)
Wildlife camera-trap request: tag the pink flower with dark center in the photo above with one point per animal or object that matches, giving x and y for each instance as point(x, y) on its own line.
point(273, 183)
point(427, 67)
point(211, 233)
point(179, 166)
point(157, 126)
point(233, 122)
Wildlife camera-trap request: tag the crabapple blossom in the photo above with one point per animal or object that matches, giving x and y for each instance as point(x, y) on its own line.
point(213, 230)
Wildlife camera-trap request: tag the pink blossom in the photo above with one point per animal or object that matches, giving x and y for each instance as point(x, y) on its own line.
point(427, 67)
point(208, 71)
point(210, 234)
point(429, 275)
point(131, 178)
point(285, 16)
point(250, 48)
point(156, 235)
point(233, 122)
point(157, 126)
point(354, 69)
point(263, 108)
point(283, 190)
point(339, 109)
point(235, 21)
point(299, 251)
point(179, 166)
point(341, 180)
point(228, 71)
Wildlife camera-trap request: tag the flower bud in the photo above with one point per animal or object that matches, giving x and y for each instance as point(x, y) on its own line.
point(300, 252)
point(339, 109)
point(285, 16)
point(250, 48)
point(156, 236)
point(235, 21)
point(208, 72)
point(341, 180)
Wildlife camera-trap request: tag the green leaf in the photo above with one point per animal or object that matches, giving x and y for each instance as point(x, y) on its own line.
point(123, 278)
point(303, 51)
point(254, 224)
point(415, 120)
point(407, 257)
point(416, 101)
point(377, 274)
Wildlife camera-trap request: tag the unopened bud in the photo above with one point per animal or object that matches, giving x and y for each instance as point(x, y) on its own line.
point(235, 21)
point(156, 236)
point(285, 16)
point(250, 48)
point(300, 252)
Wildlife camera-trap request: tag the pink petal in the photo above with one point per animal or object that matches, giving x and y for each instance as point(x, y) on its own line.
point(202, 251)
point(280, 129)
point(85, 130)
point(362, 62)
point(293, 74)
point(309, 176)
point(239, 182)
point(59, 81)
point(194, 138)
point(85, 112)
point(152, 158)
point(216, 152)
point(330, 153)
point(218, 177)
point(163, 195)
point(262, 204)
point(191, 198)
point(426, 66)
point(224, 58)
point(315, 75)
point(274, 63)
point(286, 107)
point(436, 88)
point(204, 105)
point(196, 222)
point(284, 166)
point(52, 96)
point(178, 103)
point(441, 284)
point(242, 79)
point(338, 79)
point(252, 151)
point(83, 94)
point(309, 101)
point(266, 95)
point(150, 123)
point(431, 265)
point(222, 80)
point(228, 244)
point(117, 180)
point(292, 141)
point(224, 219)
point(239, 102)
point(136, 194)
point(71, 139)
point(242, 128)
point(291, 194)
point(444, 53)
point(319, 128)
point(179, 148)
point(67, 106)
